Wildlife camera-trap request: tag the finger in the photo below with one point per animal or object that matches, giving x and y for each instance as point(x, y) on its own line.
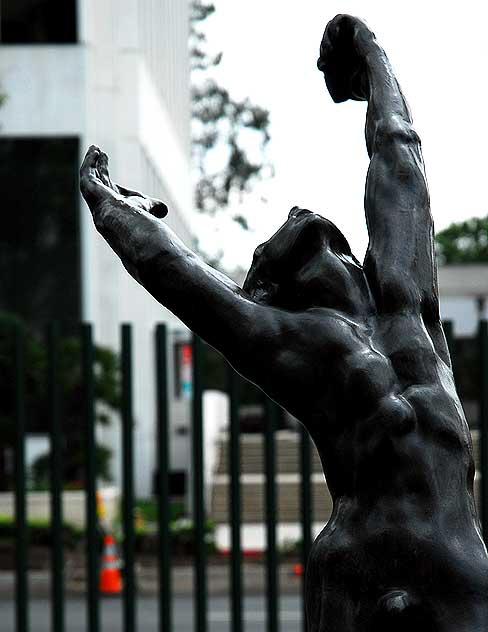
point(91, 186)
point(102, 166)
point(128, 192)
point(88, 173)
point(154, 206)
point(93, 190)
point(90, 161)
point(151, 205)
point(158, 208)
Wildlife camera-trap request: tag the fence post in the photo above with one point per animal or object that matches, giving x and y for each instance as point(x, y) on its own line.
point(93, 614)
point(164, 561)
point(483, 423)
point(306, 509)
point(21, 590)
point(56, 471)
point(129, 594)
point(449, 333)
point(198, 490)
point(235, 499)
point(271, 565)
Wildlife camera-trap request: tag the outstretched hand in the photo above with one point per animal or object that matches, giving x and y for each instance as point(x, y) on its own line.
point(98, 189)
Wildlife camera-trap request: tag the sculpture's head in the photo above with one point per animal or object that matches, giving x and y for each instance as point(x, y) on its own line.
point(307, 263)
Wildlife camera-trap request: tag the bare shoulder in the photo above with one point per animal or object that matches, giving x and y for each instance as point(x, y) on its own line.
point(328, 330)
point(303, 343)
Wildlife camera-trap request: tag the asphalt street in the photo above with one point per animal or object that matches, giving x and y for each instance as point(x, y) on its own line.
point(147, 614)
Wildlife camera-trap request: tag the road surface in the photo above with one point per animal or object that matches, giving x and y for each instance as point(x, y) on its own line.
point(147, 614)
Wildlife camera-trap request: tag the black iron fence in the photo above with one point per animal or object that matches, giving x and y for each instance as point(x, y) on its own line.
point(128, 540)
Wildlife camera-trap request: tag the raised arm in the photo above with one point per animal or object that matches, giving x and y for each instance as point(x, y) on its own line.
point(261, 342)
point(400, 261)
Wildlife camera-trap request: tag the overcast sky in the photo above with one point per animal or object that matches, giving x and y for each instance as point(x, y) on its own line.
point(439, 51)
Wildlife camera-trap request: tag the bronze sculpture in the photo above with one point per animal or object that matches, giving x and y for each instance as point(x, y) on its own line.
point(357, 353)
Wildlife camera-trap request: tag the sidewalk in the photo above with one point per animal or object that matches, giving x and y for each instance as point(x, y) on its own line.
point(253, 575)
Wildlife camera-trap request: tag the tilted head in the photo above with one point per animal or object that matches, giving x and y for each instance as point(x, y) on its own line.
point(307, 263)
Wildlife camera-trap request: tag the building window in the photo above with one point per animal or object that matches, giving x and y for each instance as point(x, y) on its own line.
point(38, 21)
point(39, 240)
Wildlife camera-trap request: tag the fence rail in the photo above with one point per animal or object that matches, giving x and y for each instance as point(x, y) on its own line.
point(163, 466)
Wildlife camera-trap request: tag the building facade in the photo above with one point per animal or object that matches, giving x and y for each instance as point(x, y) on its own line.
point(463, 290)
point(116, 74)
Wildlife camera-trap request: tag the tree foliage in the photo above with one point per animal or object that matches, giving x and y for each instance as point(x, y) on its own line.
point(464, 242)
point(225, 132)
point(107, 397)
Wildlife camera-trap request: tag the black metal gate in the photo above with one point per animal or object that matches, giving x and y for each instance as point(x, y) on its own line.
point(164, 555)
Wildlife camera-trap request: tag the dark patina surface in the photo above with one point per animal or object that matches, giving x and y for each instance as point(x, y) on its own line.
point(356, 353)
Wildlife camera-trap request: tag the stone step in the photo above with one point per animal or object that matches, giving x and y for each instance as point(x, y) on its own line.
point(287, 454)
point(252, 454)
point(288, 502)
point(287, 480)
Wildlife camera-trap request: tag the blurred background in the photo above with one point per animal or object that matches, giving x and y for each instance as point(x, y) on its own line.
point(219, 110)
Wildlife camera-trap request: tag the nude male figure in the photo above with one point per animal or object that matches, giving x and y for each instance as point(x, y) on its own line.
point(356, 353)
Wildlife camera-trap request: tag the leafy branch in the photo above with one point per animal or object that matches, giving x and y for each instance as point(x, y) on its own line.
point(225, 131)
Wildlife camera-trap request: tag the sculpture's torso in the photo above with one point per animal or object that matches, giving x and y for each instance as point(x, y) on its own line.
point(398, 462)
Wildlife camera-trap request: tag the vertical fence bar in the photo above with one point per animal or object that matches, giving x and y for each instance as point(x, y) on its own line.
point(164, 555)
point(306, 509)
point(93, 613)
point(21, 562)
point(129, 611)
point(483, 423)
point(449, 333)
point(271, 563)
point(198, 491)
point(235, 501)
point(56, 471)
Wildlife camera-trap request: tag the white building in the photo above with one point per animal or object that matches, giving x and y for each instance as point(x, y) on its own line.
point(463, 291)
point(114, 73)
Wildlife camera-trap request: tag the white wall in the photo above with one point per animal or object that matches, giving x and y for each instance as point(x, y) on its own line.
point(460, 288)
point(463, 312)
point(125, 87)
point(45, 90)
point(130, 113)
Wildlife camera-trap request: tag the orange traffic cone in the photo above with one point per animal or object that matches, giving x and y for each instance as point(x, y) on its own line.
point(110, 578)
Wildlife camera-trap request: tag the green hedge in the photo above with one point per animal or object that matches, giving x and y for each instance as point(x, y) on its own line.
point(39, 532)
point(182, 534)
point(148, 509)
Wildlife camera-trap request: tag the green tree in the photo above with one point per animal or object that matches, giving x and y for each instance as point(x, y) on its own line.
point(107, 397)
point(224, 131)
point(464, 242)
